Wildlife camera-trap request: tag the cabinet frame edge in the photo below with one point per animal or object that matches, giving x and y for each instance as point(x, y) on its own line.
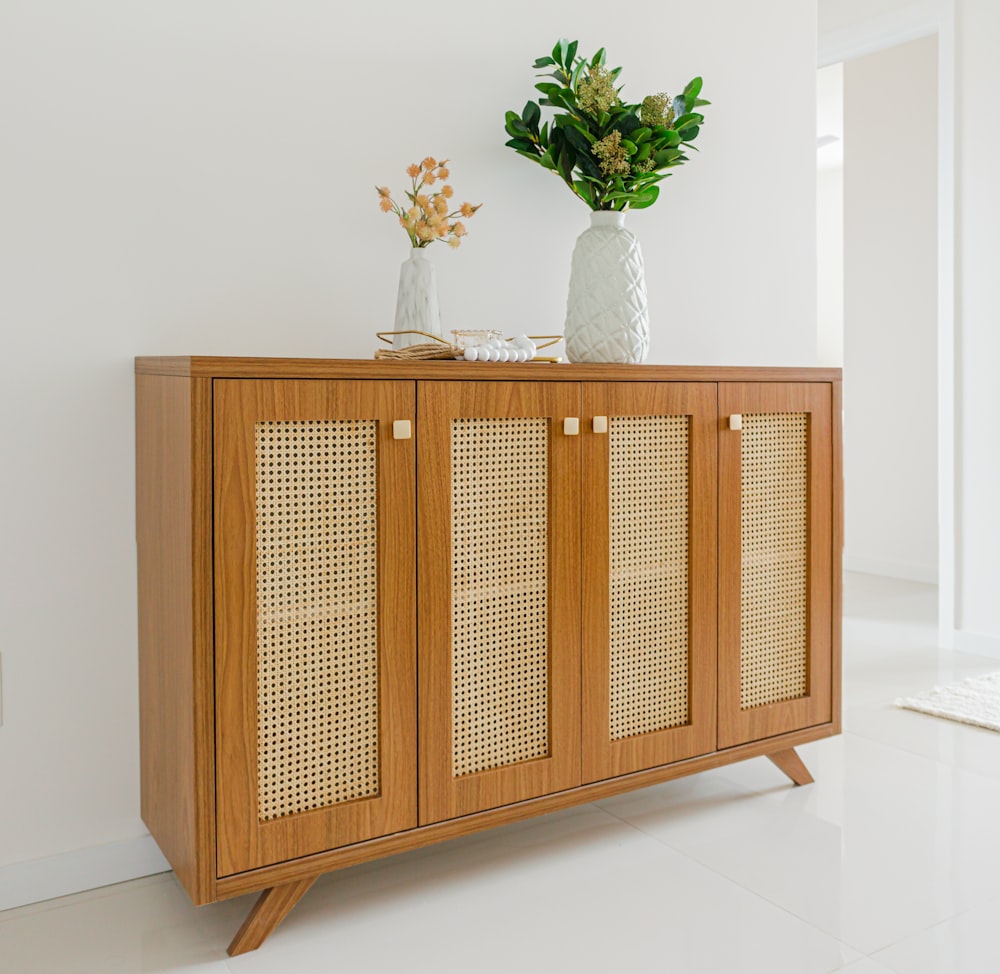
point(176, 628)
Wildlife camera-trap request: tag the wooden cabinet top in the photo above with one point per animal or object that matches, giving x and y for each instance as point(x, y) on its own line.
point(231, 367)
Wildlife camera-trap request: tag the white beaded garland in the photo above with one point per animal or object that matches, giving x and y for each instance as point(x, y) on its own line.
point(519, 349)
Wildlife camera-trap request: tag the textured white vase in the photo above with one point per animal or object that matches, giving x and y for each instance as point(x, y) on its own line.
point(607, 319)
point(416, 300)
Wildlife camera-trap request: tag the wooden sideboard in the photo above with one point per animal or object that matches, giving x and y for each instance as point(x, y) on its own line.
point(383, 604)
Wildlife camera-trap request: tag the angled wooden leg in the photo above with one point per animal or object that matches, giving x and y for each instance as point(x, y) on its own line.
point(791, 764)
point(272, 906)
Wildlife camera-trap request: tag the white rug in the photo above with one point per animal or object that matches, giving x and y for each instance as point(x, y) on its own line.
point(975, 701)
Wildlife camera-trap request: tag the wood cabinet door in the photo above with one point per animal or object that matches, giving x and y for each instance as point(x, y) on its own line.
point(499, 598)
point(315, 616)
point(649, 574)
point(776, 522)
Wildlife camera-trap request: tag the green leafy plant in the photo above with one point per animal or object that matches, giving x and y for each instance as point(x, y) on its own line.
point(609, 152)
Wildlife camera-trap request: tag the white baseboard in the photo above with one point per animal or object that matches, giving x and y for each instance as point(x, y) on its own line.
point(22, 883)
point(894, 569)
point(977, 643)
point(919, 18)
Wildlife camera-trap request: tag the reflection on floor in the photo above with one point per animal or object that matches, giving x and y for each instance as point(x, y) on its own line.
point(889, 862)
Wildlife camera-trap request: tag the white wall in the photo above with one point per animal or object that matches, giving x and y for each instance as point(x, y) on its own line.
point(890, 330)
point(830, 216)
point(837, 15)
point(830, 267)
point(197, 177)
point(849, 28)
point(978, 326)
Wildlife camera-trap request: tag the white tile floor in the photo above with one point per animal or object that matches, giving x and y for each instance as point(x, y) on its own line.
point(890, 862)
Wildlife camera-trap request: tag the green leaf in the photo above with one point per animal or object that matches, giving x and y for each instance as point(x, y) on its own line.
point(524, 145)
point(532, 115)
point(547, 87)
point(627, 122)
point(514, 125)
point(645, 151)
point(647, 198)
point(585, 191)
point(598, 58)
point(571, 53)
point(690, 134)
point(572, 122)
point(679, 106)
point(640, 135)
point(543, 62)
point(576, 139)
point(566, 162)
point(547, 159)
point(665, 157)
point(692, 90)
point(630, 147)
point(682, 120)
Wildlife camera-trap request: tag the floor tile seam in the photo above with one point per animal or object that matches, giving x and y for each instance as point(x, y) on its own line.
point(926, 929)
point(746, 889)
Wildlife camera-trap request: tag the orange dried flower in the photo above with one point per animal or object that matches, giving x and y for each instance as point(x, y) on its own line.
point(454, 243)
point(424, 213)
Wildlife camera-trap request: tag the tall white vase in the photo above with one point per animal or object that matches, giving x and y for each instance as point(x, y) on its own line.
point(416, 300)
point(607, 318)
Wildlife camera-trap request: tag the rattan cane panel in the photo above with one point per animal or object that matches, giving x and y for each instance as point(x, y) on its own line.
point(649, 573)
point(500, 664)
point(774, 593)
point(317, 643)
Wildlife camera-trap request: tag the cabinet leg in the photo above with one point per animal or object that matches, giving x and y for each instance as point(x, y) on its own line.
point(272, 906)
point(791, 764)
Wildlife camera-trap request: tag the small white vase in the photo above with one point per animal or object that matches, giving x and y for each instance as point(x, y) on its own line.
point(416, 300)
point(607, 318)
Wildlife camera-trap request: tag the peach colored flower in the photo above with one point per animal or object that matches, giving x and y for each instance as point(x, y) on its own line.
point(423, 201)
point(447, 192)
point(428, 179)
point(413, 171)
point(454, 242)
point(385, 203)
point(459, 230)
point(429, 163)
point(383, 191)
point(467, 209)
point(443, 173)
